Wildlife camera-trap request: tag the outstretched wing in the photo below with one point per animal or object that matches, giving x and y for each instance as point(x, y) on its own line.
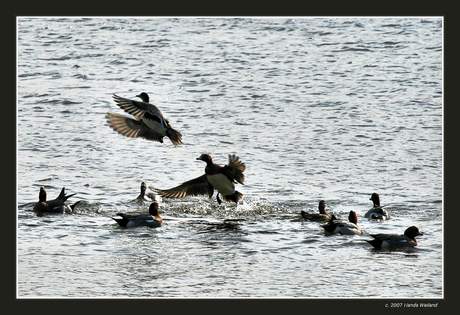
point(139, 109)
point(195, 187)
point(234, 169)
point(132, 128)
point(62, 197)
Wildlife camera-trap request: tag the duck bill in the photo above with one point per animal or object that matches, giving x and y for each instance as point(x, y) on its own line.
point(199, 158)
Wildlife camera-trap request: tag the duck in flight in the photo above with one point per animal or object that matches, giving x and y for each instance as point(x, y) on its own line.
point(220, 178)
point(148, 122)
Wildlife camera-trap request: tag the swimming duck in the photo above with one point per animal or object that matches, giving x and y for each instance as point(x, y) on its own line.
point(149, 122)
point(321, 216)
point(56, 205)
point(147, 196)
point(377, 212)
point(342, 227)
point(391, 241)
point(153, 219)
point(221, 178)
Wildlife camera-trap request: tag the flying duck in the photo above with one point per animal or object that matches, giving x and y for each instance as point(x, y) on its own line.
point(221, 178)
point(56, 205)
point(153, 219)
point(391, 241)
point(149, 122)
point(321, 216)
point(376, 212)
point(342, 227)
point(147, 196)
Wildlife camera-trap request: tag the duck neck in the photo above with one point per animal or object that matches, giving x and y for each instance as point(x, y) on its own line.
point(42, 197)
point(208, 167)
point(142, 194)
point(153, 210)
point(353, 218)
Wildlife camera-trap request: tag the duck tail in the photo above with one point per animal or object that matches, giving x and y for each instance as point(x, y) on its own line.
point(235, 197)
point(175, 136)
point(375, 243)
point(121, 222)
point(329, 227)
point(304, 214)
point(73, 206)
point(238, 196)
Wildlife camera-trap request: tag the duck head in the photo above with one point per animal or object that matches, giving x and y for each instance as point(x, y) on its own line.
point(143, 187)
point(322, 207)
point(375, 199)
point(153, 209)
point(352, 217)
point(412, 232)
point(205, 157)
point(144, 97)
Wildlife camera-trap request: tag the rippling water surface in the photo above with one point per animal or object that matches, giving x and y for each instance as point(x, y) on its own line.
point(317, 108)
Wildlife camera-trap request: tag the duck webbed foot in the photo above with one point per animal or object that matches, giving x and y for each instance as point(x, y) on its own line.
point(218, 199)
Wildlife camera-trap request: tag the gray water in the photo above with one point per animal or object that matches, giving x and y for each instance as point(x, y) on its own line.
point(317, 108)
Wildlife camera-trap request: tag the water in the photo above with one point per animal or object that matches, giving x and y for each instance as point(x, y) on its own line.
point(317, 108)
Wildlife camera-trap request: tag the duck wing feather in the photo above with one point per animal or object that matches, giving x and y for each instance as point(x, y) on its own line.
point(136, 108)
point(234, 169)
point(132, 128)
point(195, 187)
point(60, 200)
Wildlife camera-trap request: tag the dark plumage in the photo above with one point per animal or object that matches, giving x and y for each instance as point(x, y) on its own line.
point(56, 205)
point(391, 241)
point(377, 212)
point(221, 178)
point(149, 122)
point(343, 227)
point(321, 216)
point(152, 219)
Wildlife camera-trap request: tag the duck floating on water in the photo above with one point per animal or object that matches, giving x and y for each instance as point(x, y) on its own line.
point(148, 122)
point(393, 241)
point(377, 212)
point(56, 205)
point(341, 227)
point(215, 177)
point(152, 219)
point(321, 216)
